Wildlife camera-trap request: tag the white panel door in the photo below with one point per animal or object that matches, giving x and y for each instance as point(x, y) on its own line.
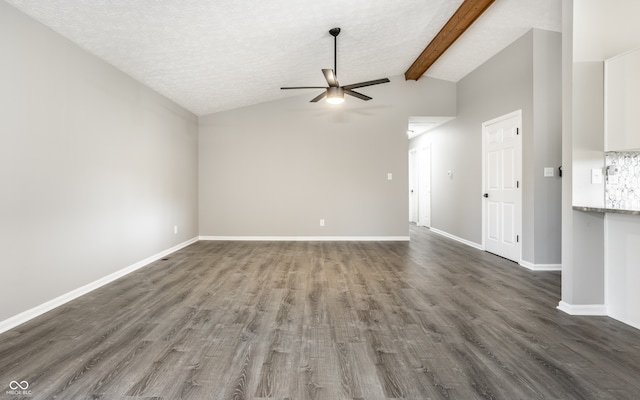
point(502, 165)
point(424, 184)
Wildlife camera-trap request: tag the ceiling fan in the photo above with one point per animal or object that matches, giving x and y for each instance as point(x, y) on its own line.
point(334, 92)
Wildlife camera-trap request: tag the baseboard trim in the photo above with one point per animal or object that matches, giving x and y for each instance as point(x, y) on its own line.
point(599, 310)
point(541, 267)
point(36, 311)
point(594, 310)
point(456, 238)
point(634, 324)
point(308, 238)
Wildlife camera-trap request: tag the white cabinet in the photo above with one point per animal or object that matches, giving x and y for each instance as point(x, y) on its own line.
point(622, 102)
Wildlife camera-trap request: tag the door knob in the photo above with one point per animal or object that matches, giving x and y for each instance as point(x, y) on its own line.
point(485, 195)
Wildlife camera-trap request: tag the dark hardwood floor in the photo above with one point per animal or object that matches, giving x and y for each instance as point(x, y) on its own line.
point(429, 319)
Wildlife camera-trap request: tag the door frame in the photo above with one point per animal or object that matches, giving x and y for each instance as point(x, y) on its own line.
point(413, 185)
point(418, 172)
point(518, 114)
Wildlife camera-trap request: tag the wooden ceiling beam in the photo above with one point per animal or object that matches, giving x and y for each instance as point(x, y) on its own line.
point(462, 19)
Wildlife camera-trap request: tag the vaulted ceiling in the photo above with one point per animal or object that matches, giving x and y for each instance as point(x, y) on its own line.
point(214, 55)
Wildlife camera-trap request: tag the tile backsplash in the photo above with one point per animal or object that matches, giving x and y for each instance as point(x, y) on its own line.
point(622, 188)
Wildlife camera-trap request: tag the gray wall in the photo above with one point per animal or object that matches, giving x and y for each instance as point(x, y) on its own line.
point(276, 169)
point(588, 136)
point(95, 169)
point(526, 75)
point(547, 147)
point(587, 273)
point(567, 151)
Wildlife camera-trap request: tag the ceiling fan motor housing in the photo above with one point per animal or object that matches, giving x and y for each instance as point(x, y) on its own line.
point(335, 95)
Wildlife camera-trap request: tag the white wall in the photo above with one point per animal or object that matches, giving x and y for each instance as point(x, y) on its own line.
point(525, 75)
point(95, 168)
point(276, 169)
point(603, 29)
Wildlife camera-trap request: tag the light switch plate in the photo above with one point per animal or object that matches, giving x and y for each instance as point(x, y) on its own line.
point(548, 172)
point(389, 176)
point(596, 176)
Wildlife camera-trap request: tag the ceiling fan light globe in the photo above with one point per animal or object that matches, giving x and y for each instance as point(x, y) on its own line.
point(335, 95)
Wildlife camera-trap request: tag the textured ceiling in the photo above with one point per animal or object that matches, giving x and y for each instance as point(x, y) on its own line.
point(214, 55)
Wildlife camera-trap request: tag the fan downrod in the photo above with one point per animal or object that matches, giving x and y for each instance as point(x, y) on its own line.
point(335, 32)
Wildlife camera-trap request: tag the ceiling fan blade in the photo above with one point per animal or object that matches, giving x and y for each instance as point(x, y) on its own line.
point(319, 97)
point(367, 83)
point(303, 87)
point(331, 78)
point(356, 94)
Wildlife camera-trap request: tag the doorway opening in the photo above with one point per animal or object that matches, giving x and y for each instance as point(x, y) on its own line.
point(420, 167)
point(420, 186)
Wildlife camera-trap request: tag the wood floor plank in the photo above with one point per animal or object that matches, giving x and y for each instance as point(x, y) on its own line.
point(428, 319)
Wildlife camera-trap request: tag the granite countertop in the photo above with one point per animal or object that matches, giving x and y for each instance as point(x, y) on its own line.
point(606, 210)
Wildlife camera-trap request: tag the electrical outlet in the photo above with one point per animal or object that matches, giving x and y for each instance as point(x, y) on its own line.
point(175, 229)
point(322, 222)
